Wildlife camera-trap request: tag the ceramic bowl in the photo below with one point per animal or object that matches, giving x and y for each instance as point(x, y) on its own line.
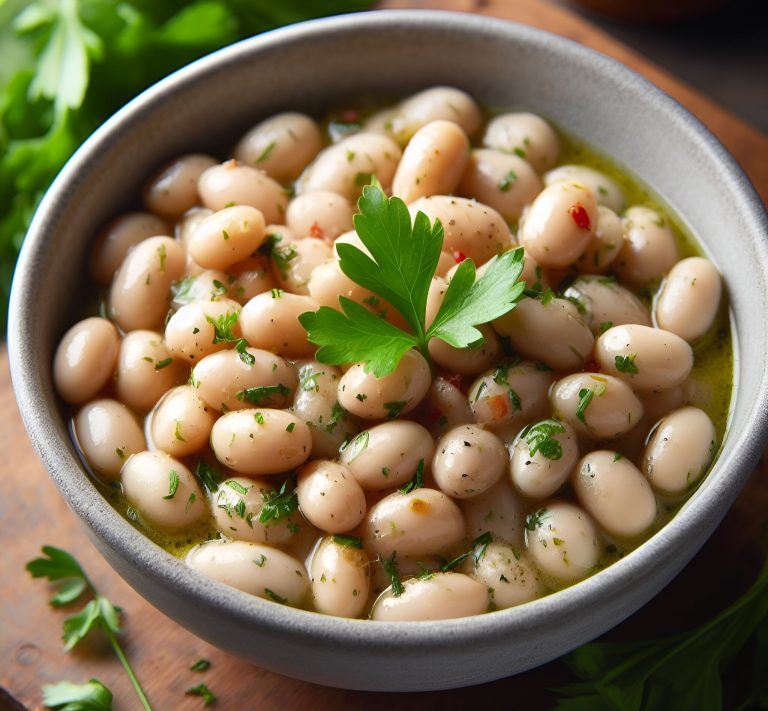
point(313, 67)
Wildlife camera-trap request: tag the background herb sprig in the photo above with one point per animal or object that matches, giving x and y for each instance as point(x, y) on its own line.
point(67, 65)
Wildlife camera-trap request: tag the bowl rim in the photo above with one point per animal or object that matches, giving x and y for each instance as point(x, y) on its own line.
point(170, 573)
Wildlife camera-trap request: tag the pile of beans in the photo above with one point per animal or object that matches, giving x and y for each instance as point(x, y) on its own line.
point(494, 476)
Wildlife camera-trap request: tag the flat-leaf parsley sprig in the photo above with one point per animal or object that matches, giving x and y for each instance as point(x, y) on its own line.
point(60, 567)
point(403, 260)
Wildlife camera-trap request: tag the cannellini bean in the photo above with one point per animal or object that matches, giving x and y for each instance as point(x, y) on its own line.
point(253, 568)
point(316, 404)
point(421, 522)
point(365, 395)
point(496, 511)
point(433, 161)
point(173, 189)
point(553, 332)
point(646, 358)
point(440, 102)
point(503, 181)
point(162, 490)
point(472, 230)
point(181, 422)
point(658, 403)
point(319, 214)
point(294, 262)
point(468, 461)
point(511, 394)
point(606, 190)
point(615, 493)
point(329, 496)
point(387, 455)
point(609, 411)
point(107, 433)
point(689, 298)
point(227, 236)
point(527, 136)
point(145, 370)
point(188, 223)
point(606, 303)
point(605, 245)
point(118, 238)
point(229, 380)
point(560, 224)
point(234, 183)
point(271, 321)
point(282, 145)
point(540, 474)
point(347, 166)
point(444, 406)
point(237, 509)
point(85, 359)
point(680, 450)
point(562, 541)
point(190, 333)
point(440, 597)
point(249, 278)
point(139, 296)
point(649, 249)
point(508, 574)
point(340, 579)
point(260, 441)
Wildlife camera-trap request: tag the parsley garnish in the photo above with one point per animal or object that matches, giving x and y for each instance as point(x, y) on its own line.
point(163, 363)
point(390, 568)
point(403, 260)
point(256, 395)
point(272, 595)
point(394, 408)
point(604, 326)
point(266, 152)
point(173, 483)
point(282, 256)
point(585, 397)
point(209, 698)
point(223, 326)
point(278, 504)
point(208, 477)
point(418, 479)
point(200, 665)
point(506, 182)
point(61, 568)
point(536, 519)
point(626, 364)
point(541, 438)
point(477, 551)
point(349, 541)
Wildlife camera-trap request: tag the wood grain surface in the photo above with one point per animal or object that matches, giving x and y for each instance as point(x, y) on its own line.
point(32, 514)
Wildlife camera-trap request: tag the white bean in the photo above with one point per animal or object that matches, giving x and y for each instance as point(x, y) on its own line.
point(496, 511)
point(527, 136)
point(163, 490)
point(388, 455)
point(108, 434)
point(320, 214)
point(329, 496)
point(294, 262)
point(689, 298)
point(680, 450)
point(646, 358)
point(562, 541)
point(270, 321)
point(605, 245)
point(85, 359)
point(614, 491)
point(145, 370)
point(606, 303)
point(173, 189)
point(181, 422)
point(649, 249)
point(253, 568)
point(227, 236)
point(191, 334)
point(508, 574)
point(340, 579)
point(606, 190)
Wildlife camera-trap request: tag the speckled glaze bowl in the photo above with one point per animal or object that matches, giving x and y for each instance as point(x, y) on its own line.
point(312, 67)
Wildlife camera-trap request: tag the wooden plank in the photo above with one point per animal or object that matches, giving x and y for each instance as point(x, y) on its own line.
point(32, 514)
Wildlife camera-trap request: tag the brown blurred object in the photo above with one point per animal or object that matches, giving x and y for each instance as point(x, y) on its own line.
point(652, 11)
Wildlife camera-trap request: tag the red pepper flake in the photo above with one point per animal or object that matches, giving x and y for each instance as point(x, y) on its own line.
point(499, 406)
point(350, 116)
point(591, 366)
point(316, 231)
point(458, 256)
point(580, 216)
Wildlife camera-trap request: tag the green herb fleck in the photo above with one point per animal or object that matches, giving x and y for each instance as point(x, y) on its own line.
point(173, 483)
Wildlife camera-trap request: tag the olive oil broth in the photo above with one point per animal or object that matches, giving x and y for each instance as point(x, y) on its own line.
point(710, 388)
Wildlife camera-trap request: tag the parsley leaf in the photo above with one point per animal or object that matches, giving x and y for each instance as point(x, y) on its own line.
point(258, 394)
point(390, 568)
point(477, 551)
point(403, 258)
point(203, 692)
point(208, 477)
point(278, 504)
point(541, 438)
point(91, 696)
point(418, 479)
point(626, 364)
point(349, 541)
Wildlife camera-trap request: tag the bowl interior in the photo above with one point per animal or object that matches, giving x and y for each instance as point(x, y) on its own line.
point(312, 67)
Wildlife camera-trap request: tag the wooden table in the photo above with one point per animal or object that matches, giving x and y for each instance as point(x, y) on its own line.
point(32, 514)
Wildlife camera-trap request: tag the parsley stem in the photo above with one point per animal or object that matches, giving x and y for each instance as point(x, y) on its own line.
point(128, 669)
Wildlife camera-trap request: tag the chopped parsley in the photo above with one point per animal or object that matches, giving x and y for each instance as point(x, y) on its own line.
point(272, 595)
point(257, 394)
point(626, 364)
point(278, 504)
point(585, 398)
point(394, 408)
point(173, 483)
point(418, 479)
point(349, 541)
point(200, 665)
point(208, 477)
point(163, 363)
point(390, 568)
point(506, 182)
point(477, 551)
point(541, 438)
point(201, 690)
